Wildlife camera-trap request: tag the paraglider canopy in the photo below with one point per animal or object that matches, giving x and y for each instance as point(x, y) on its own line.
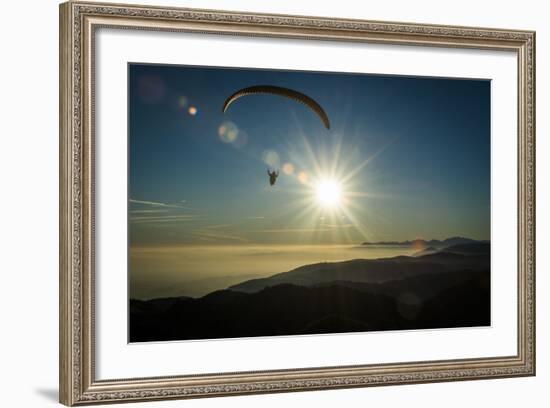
point(284, 92)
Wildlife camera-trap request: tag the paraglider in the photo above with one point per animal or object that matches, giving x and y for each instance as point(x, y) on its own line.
point(272, 176)
point(286, 93)
point(279, 91)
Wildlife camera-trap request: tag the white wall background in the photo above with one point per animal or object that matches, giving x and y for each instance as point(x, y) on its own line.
point(28, 212)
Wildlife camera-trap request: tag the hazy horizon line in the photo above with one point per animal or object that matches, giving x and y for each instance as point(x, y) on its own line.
point(277, 244)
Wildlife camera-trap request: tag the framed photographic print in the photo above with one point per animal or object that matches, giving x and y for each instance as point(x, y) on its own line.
point(260, 203)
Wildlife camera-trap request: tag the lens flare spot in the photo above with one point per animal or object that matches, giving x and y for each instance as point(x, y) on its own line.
point(192, 110)
point(418, 244)
point(232, 135)
point(271, 158)
point(228, 132)
point(303, 177)
point(151, 89)
point(288, 168)
point(409, 305)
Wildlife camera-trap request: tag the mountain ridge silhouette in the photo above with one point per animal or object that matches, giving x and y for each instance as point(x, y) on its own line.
point(450, 288)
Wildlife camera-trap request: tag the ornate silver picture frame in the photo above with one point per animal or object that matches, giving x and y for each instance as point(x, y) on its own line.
point(79, 22)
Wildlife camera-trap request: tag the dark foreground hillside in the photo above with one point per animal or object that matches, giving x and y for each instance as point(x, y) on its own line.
point(448, 298)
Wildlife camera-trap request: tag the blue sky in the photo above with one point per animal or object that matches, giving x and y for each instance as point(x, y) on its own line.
point(411, 157)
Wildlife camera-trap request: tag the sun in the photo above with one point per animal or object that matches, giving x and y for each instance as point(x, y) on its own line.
point(328, 193)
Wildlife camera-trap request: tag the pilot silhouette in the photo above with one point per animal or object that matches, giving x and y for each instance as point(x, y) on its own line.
point(272, 176)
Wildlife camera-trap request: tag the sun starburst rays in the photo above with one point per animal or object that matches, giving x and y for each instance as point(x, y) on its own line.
point(330, 200)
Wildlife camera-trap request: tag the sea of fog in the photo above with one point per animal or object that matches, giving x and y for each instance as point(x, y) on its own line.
point(194, 271)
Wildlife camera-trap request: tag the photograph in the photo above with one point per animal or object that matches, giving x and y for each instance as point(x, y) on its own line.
point(263, 202)
point(269, 202)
